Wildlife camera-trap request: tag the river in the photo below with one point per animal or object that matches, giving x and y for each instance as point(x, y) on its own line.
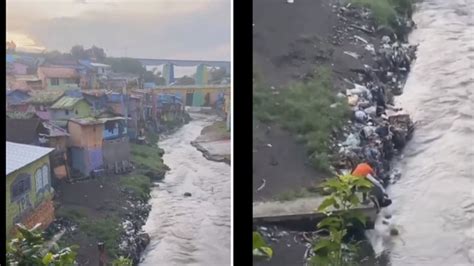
point(190, 230)
point(434, 200)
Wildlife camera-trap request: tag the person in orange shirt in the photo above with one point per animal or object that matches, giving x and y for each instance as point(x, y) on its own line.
point(378, 195)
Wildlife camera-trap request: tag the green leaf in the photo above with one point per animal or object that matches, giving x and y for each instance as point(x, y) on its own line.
point(330, 201)
point(47, 259)
point(258, 241)
point(330, 222)
point(268, 251)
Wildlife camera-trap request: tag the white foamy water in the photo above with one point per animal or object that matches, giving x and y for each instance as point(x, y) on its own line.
point(190, 230)
point(434, 201)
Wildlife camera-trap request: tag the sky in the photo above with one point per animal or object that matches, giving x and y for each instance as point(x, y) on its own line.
point(160, 29)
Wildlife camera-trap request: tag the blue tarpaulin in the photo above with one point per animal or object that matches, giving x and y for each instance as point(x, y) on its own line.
point(164, 99)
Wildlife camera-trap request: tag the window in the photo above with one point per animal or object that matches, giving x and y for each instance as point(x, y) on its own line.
point(20, 186)
point(39, 180)
point(42, 177)
point(67, 112)
point(45, 171)
point(54, 82)
point(76, 112)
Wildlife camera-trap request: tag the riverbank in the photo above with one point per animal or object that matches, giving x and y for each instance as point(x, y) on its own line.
point(111, 209)
point(214, 142)
point(361, 58)
point(368, 65)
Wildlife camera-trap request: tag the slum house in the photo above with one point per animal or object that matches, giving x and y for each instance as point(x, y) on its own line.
point(25, 82)
point(85, 145)
point(59, 77)
point(17, 68)
point(41, 100)
point(115, 145)
point(195, 95)
point(57, 138)
point(97, 98)
point(17, 100)
point(119, 82)
point(25, 130)
point(93, 74)
point(117, 102)
point(69, 107)
point(28, 186)
point(136, 116)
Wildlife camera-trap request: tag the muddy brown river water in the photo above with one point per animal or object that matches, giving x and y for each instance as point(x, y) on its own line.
point(190, 230)
point(434, 200)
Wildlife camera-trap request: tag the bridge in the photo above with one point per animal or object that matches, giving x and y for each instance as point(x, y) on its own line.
point(169, 64)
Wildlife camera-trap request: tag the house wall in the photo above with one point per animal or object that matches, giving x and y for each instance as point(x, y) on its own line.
point(64, 84)
point(22, 209)
point(86, 160)
point(116, 154)
point(81, 109)
point(20, 69)
point(85, 136)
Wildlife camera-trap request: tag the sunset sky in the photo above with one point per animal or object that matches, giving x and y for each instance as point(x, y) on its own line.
point(174, 29)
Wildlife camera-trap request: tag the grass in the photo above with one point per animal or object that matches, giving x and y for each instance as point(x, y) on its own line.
point(305, 109)
point(217, 131)
point(107, 230)
point(148, 158)
point(139, 185)
point(72, 214)
point(386, 11)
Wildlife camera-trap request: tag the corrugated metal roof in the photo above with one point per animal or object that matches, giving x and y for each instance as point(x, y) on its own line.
point(66, 102)
point(45, 97)
point(99, 65)
point(20, 155)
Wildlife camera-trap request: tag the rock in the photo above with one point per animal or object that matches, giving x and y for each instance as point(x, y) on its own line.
point(144, 240)
point(394, 232)
point(187, 194)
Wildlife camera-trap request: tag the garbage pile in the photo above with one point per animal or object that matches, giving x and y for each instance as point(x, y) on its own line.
point(378, 130)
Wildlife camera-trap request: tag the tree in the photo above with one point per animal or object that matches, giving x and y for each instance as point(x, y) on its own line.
point(149, 76)
point(126, 65)
point(29, 249)
point(159, 80)
point(185, 80)
point(217, 75)
point(78, 52)
point(96, 53)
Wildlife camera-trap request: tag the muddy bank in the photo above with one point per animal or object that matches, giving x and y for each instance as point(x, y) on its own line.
point(214, 142)
point(361, 57)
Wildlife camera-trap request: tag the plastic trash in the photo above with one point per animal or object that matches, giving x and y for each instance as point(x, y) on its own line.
point(352, 54)
point(352, 100)
point(360, 116)
point(371, 111)
point(352, 141)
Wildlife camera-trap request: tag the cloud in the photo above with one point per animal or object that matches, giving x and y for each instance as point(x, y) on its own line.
point(159, 29)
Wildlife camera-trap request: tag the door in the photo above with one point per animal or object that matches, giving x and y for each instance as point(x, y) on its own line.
point(189, 98)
